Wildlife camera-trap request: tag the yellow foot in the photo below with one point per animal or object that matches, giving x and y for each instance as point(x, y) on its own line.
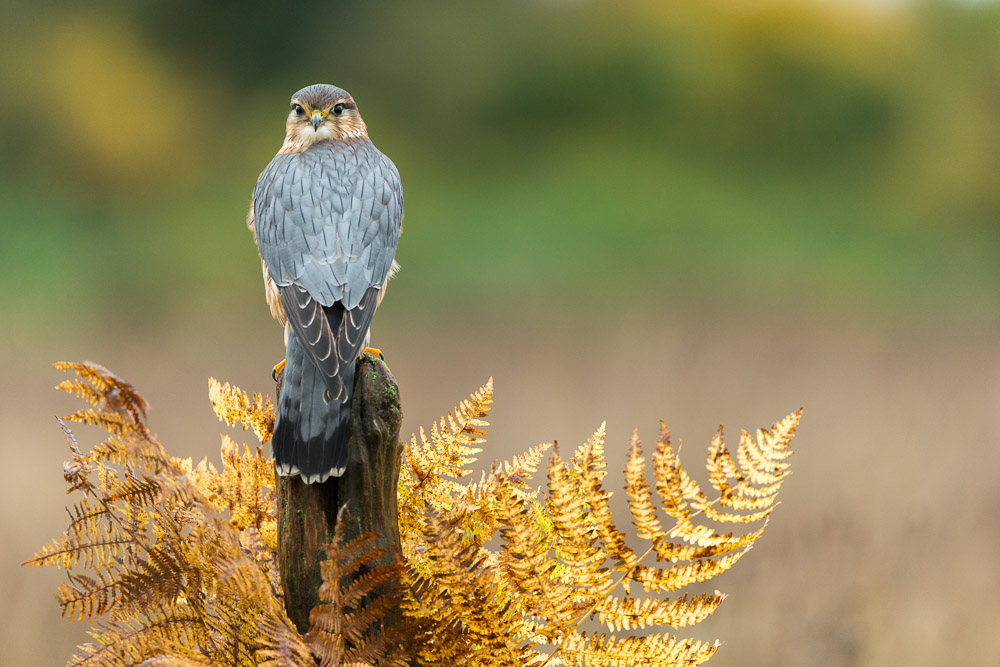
point(374, 351)
point(280, 366)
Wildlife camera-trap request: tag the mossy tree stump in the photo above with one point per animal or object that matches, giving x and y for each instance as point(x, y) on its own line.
point(307, 513)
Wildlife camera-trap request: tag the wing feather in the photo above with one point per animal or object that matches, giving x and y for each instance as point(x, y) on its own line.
point(332, 336)
point(329, 219)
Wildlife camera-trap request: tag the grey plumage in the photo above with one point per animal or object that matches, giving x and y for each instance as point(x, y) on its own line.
point(329, 219)
point(327, 223)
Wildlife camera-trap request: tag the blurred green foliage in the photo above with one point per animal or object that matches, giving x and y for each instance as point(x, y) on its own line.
point(723, 152)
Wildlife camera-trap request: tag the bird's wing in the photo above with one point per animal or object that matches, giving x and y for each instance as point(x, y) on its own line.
point(329, 219)
point(327, 222)
point(331, 335)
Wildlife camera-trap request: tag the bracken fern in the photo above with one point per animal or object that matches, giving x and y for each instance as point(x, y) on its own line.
point(177, 560)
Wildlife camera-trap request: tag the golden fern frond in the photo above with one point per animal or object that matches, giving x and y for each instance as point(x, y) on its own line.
point(175, 582)
point(759, 475)
point(108, 393)
point(90, 548)
point(118, 424)
point(697, 552)
point(528, 568)
point(131, 639)
point(281, 644)
point(133, 490)
point(561, 559)
point(682, 501)
point(245, 488)
point(590, 464)
point(85, 515)
point(631, 613)
point(94, 374)
point(583, 650)
point(86, 597)
point(347, 626)
point(82, 389)
point(682, 574)
point(575, 531)
point(463, 614)
point(763, 458)
point(262, 547)
point(115, 585)
point(514, 473)
point(639, 495)
point(680, 494)
point(118, 452)
point(517, 472)
point(478, 504)
point(451, 445)
point(179, 660)
point(234, 406)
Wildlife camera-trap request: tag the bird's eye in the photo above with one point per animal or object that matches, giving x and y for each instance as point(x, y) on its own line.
point(297, 108)
point(338, 108)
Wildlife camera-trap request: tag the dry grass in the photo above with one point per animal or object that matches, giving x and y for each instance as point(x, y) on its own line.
point(879, 554)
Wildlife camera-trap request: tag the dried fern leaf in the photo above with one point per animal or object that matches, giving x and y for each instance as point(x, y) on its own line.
point(570, 504)
point(583, 650)
point(478, 506)
point(176, 660)
point(679, 575)
point(463, 614)
point(85, 515)
point(234, 406)
point(119, 425)
point(763, 458)
point(281, 644)
point(529, 569)
point(92, 548)
point(148, 552)
point(118, 452)
point(495, 571)
point(86, 597)
point(631, 614)
point(131, 640)
point(590, 464)
point(245, 488)
point(105, 390)
point(640, 503)
point(82, 389)
point(432, 464)
point(680, 494)
point(347, 626)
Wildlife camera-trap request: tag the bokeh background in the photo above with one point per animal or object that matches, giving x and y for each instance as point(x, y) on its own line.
point(705, 212)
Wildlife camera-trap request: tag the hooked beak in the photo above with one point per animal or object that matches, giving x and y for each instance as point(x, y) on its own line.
point(316, 119)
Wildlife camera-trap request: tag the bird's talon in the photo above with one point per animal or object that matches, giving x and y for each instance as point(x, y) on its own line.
point(375, 351)
point(280, 366)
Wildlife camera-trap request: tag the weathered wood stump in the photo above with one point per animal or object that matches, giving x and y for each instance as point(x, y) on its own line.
point(307, 513)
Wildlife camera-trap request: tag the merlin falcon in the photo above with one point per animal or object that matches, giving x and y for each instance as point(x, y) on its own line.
point(327, 213)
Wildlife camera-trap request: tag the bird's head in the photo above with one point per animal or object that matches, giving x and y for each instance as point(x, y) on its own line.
point(321, 112)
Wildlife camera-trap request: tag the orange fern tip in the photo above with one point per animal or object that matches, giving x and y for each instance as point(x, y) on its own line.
point(590, 455)
point(114, 399)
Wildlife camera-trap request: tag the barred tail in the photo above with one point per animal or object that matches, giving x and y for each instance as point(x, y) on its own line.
point(310, 434)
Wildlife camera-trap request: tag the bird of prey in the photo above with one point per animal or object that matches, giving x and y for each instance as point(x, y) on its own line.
point(327, 213)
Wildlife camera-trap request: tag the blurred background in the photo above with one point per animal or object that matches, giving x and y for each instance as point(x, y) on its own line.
point(702, 212)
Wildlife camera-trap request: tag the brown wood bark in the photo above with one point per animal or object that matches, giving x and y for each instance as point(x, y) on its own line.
point(307, 513)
